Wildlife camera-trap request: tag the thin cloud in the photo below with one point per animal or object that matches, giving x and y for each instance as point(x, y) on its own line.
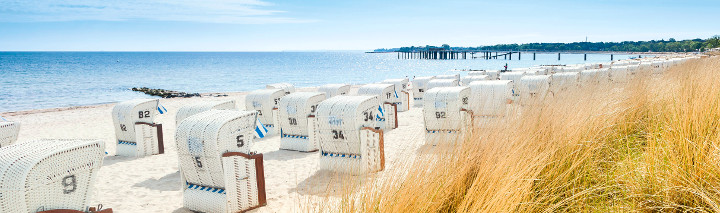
point(210, 11)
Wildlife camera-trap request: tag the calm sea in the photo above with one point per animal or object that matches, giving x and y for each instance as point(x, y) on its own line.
point(37, 80)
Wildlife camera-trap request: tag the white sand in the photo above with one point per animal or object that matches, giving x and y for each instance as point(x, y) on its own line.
point(152, 184)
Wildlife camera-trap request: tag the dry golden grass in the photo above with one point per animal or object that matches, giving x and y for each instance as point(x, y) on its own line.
point(647, 145)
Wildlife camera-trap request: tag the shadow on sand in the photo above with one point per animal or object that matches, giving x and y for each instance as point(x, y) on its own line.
point(169, 182)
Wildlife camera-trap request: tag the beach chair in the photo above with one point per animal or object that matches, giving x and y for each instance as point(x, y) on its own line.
point(419, 86)
point(189, 110)
point(534, 88)
point(332, 90)
point(470, 78)
point(491, 98)
point(595, 76)
point(387, 118)
point(474, 73)
point(402, 94)
point(620, 74)
point(297, 121)
point(266, 102)
point(447, 114)
point(564, 81)
point(135, 128)
point(515, 77)
point(493, 74)
point(453, 76)
point(50, 175)
point(287, 87)
point(9, 131)
point(218, 170)
point(442, 83)
point(349, 143)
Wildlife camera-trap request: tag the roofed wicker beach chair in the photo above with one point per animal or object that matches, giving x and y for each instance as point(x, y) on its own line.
point(218, 169)
point(287, 87)
point(8, 132)
point(135, 128)
point(297, 121)
point(465, 80)
point(189, 110)
point(402, 93)
point(564, 81)
point(491, 98)
point(442, 83)
point(534, 88)
point(349, 143)
point(419, 86)
point(447, 114)
point(332, 90)
point(453, 76)
point(387, 118)
point(50, 175)
point(265, 102)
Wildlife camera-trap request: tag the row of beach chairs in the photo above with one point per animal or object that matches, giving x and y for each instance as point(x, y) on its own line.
point(219, 170)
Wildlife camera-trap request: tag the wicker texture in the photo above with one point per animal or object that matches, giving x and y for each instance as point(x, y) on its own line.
point(344, 143)
point(187, 111)
point(8, 132)
point(266, 102)
point(402, 101)
point(419, 86)
point(475, 73)
point(455, 77)
point(133, 139)
point(295, 121)
point(534, 87)
point(595, 76)
point(442, 83)
point(494, 74)
point(470, 78)
point(287, 87)
point(564, 81)
point(446, 113)
point(212, 183)
point(47, 174)
point(386, 93)
point(491, 98)
point(332, 90)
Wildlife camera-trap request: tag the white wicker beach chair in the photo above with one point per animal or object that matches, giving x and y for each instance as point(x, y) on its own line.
point(287, 87)
point(189, 110)
point(219, 171)
point(534, 88)
point(332, 90)
point(491, 98)
point(442, 83)
point(474, 73)
point(447, 114)
point(297, 121)
point(515, 77)
point(349, 143)
point(620, 74)
point(595, 76)
point(564, 81)
point(419, 86)
point(49, 175)
point(266, 102)
point(402, 94)
point(8, 132)
point(493, 74)
point(454, 76)
point(135, 128)
point(387, 118)
point(470, 78)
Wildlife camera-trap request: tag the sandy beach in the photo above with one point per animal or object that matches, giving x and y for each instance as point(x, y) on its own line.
point(152, 184)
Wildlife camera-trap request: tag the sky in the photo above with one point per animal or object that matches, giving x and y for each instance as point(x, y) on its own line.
point(293, 25)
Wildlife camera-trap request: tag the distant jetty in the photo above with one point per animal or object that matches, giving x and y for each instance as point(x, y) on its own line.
point(164, 93)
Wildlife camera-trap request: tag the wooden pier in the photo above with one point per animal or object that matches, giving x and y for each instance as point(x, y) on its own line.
point(445, 54)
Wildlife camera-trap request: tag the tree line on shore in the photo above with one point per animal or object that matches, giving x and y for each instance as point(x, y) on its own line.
point(671, 45)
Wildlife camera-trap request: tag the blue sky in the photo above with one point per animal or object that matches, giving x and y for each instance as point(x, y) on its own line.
point(290, 25)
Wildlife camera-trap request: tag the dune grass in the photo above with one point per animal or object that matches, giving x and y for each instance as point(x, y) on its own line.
point(650, 144)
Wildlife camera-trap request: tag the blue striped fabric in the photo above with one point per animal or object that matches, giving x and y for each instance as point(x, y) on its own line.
point(294, 136)
point(127, 143)
point(443, 131)
point(328, 154)
point(417, 99)
point(205, 188)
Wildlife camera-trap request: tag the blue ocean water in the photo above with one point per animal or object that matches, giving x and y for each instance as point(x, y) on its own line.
point(37, 80)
